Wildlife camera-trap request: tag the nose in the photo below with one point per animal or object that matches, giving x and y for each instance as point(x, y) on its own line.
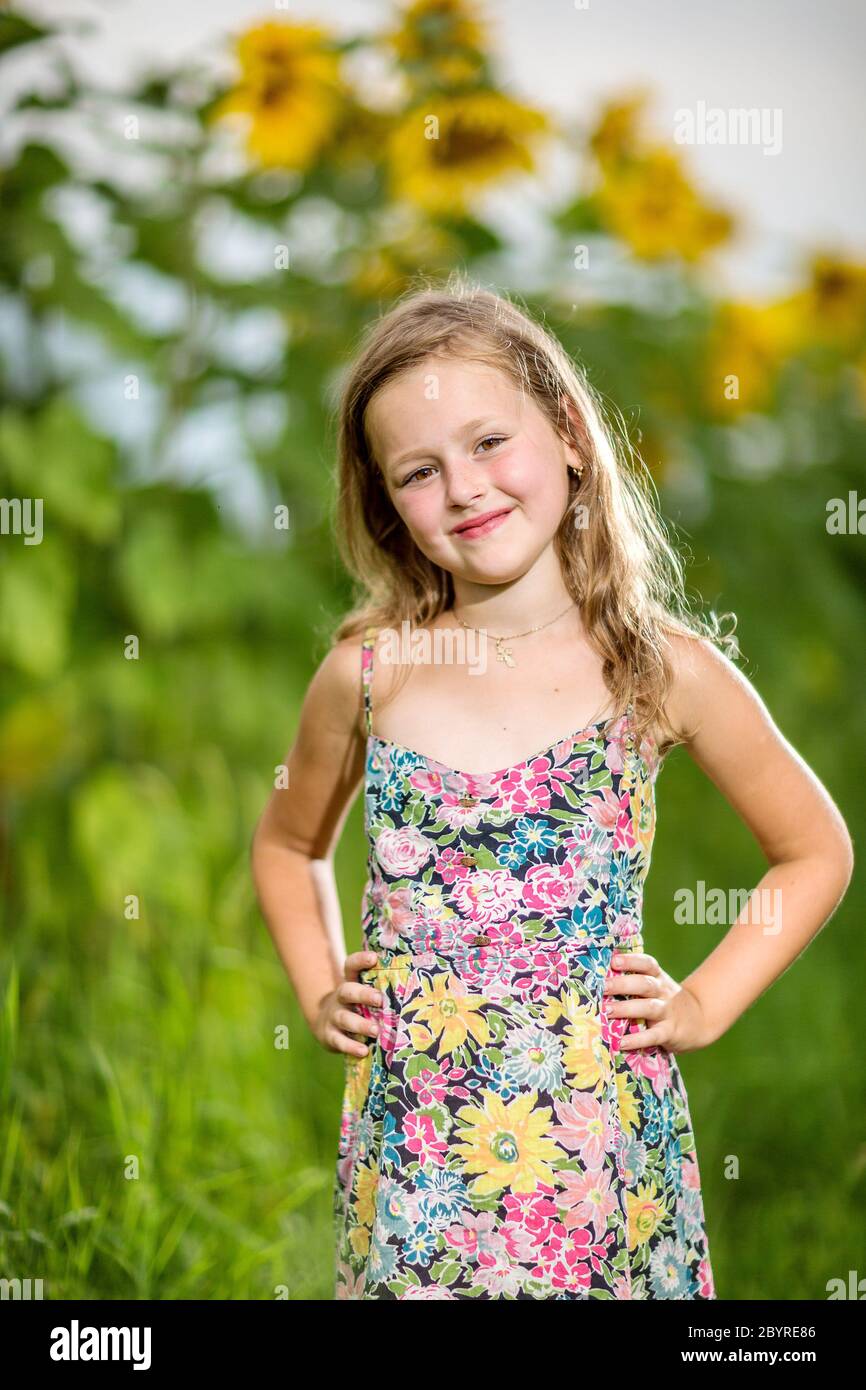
point(463, 482)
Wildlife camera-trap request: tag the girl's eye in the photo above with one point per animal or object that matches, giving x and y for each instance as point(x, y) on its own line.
point(425, 468)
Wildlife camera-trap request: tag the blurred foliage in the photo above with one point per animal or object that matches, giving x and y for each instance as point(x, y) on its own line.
point(184, 268)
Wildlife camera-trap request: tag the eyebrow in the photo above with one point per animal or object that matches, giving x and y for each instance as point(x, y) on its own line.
point(468, 428)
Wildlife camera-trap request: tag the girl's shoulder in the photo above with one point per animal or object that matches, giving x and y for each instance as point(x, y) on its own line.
point(343, 674)
point(337, 684)
point(704, 680)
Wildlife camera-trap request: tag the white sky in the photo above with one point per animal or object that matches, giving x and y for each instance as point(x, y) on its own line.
point(797, 56)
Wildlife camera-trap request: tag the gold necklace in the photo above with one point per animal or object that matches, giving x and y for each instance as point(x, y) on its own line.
point(504, 653)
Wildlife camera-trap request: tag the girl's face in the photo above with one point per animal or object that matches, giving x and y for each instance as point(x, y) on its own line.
point(455, 440)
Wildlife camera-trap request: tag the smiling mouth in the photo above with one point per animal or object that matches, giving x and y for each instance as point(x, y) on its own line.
point(482, 527)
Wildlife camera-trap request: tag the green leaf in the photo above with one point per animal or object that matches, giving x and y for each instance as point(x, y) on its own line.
point(36, 593)
point(57, 457)
point(133, 837)
point(16, 30)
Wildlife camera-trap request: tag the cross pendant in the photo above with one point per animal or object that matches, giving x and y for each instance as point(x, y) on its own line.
point(503, 653)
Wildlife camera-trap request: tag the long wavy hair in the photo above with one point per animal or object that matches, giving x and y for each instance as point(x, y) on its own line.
point(617, 560)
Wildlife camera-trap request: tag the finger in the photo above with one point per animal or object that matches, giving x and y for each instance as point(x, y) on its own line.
point(351, 993)
point(656, 1035)
point(637, 960)
point(358, 961)
point(338, 1042)
point(638, 1008)
point(631, 984)
point(351, 1022)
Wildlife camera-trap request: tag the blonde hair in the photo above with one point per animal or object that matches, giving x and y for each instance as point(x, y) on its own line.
point(620, 568)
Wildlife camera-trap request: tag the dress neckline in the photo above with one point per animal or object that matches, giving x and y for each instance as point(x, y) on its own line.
point(498, 771)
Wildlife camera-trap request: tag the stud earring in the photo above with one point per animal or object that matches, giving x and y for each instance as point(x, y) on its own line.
point(578, 472)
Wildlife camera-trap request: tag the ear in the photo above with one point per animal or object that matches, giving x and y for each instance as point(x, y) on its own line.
point(578, 442)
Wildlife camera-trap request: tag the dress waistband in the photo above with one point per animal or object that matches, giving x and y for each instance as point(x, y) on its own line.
point(425, 948)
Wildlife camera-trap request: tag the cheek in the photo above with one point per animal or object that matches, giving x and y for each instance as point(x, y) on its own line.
point(532, 480)
point(420, 513)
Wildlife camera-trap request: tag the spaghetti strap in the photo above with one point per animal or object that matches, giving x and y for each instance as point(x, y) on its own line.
point(630, 736)
point(367, 675)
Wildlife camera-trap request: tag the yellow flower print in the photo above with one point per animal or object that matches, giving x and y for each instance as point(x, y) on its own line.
point(506, 1144)
point(628, 1105)
point(359, 1239)
point(645, 1211)
point(585, 1056)
point(451, 1013)
point(357, 1081)
point(365, 1193)
point(643, 812)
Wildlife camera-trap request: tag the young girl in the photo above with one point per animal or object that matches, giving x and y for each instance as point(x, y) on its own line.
point(514, 1120)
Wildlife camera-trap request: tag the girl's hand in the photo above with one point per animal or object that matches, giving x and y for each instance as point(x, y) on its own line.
point(337, 1020)
point(673, 1014)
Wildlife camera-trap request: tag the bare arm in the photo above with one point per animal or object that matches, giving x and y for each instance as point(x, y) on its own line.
point(292, 848)
point(792, 816)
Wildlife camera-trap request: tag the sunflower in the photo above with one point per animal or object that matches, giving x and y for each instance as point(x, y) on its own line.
point(289, 91)
point(441, 153)
point(444, 36)
point(834, 303)
point(650, 204)
point(747, 347)
point(616, 135)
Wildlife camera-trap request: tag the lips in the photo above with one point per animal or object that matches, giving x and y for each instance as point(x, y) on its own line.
point(481, 524)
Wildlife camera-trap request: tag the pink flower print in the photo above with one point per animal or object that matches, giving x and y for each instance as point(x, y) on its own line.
point(584, 1128)
point(690, 1171)
point(604, 809)
point(424, 1293)
point(423, 1141)
point(498, 1274)
point(587, 1198)
point(506, 937)
point(551, 888)
point(522, 1242)
point(403, 852)
point(487, 896)
point(388, 1027)
point(427, 780)
point(565, 1258)
point(705, 1280)
point(475, 1232)
point(395, 915)
point(348, 1286)
point(525, 788)
point(449, 864)
point(455, 815)
point(624, 837)
point(613, 753)
point(549, 970)
point(532, 1212)
point(432, 1086)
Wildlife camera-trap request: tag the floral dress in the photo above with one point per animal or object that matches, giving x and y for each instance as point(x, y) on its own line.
point(495, 1142)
